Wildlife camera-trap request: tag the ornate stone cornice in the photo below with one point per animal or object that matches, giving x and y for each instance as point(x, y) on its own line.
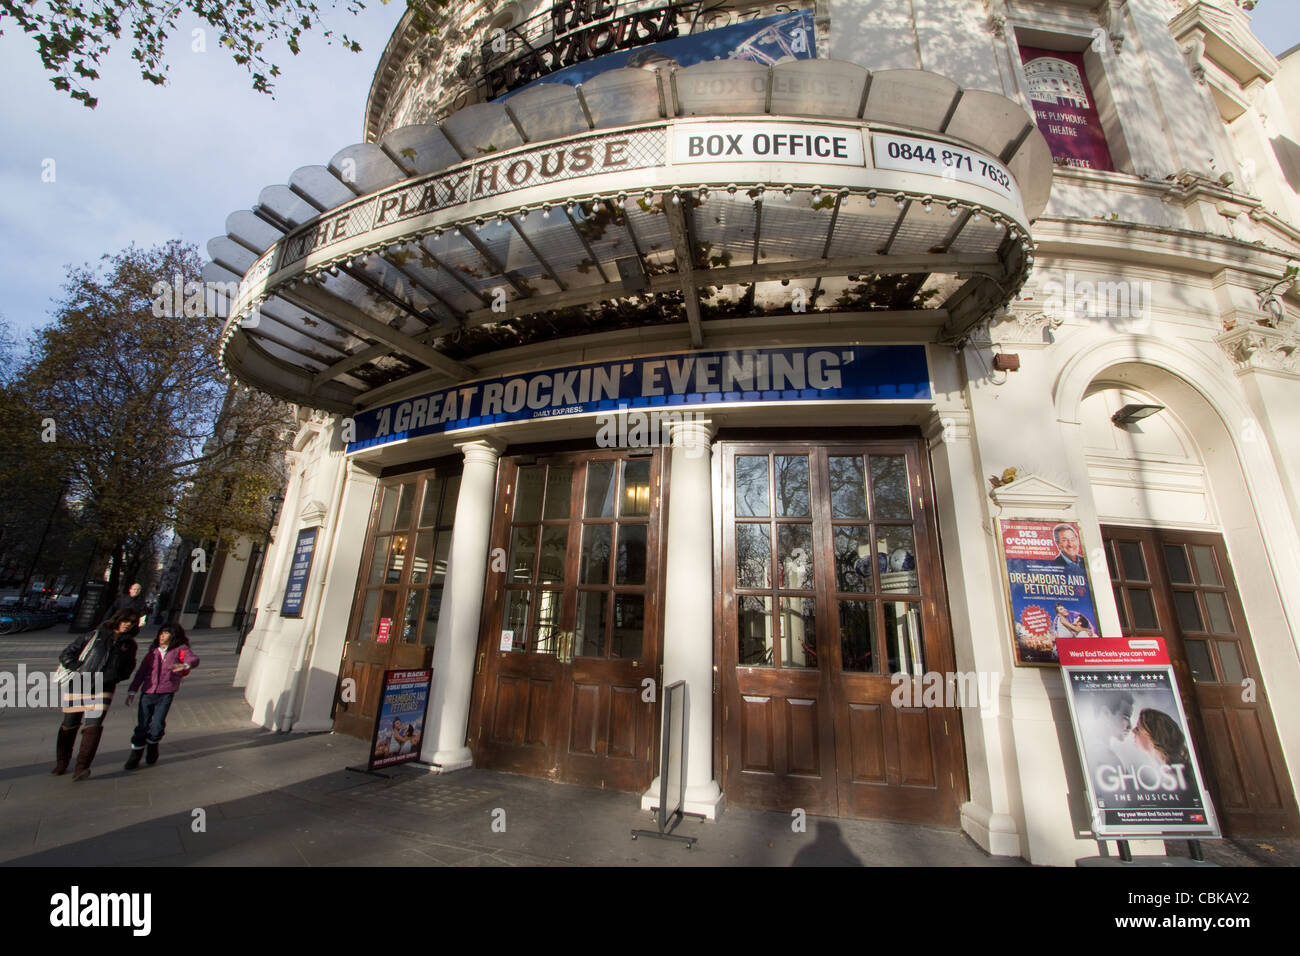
point(1218, 32)
point(482, 451)
point(1252, 347)
point(313, 513)
point(1024, 327)
point(1112, 18)
point(947, 425)
point(1032, 493)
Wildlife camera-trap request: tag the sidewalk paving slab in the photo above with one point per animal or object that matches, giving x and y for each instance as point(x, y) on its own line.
point(288, 800)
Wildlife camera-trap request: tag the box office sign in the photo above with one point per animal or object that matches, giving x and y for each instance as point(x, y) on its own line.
point(399, 726)
point(1045, 575)
point(689, 381)
point(1129, 725)
point(767, 142)
point(299, 571)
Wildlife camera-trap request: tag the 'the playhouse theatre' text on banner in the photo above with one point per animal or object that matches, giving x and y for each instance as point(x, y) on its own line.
point(1134, 745)
point(400, 724)
point(688, 381)
point(1065, 108)
point(1046, 579)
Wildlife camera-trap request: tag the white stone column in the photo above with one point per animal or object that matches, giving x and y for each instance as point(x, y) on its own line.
point(961, 507)
point(688, 605)
point(462, 603)
point(340, 544)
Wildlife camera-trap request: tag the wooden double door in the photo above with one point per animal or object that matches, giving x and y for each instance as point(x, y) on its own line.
point(1179, 585)
point(830, 585)
point(568, 662)
point(395, 614)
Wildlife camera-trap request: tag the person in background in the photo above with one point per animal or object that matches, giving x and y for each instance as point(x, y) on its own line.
point(110, 650)
point(159, 676)
point(133, 600)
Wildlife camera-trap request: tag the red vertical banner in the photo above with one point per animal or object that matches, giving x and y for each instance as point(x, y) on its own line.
point(1065, 108)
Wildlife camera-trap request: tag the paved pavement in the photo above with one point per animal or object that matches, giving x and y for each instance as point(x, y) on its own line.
point(228, 793)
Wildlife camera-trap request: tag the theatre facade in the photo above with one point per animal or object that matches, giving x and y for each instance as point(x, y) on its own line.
point(717, 343)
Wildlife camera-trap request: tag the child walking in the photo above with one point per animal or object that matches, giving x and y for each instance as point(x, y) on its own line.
point(168, 660)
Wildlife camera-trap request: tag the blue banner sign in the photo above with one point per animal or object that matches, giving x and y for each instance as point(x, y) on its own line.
point(769, 40)
point(299, 570)
point(687, 380)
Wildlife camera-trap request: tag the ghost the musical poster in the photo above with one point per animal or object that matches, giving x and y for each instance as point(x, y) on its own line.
point(1134, 745)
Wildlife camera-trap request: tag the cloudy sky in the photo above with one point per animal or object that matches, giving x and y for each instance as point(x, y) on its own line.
point(154, 163)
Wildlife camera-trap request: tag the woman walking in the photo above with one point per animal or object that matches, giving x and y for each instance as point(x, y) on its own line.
point(101, 659)
point(167, 661)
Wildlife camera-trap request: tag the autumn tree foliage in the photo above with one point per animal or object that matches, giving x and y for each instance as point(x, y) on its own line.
point(146, 429)
point(72, 39)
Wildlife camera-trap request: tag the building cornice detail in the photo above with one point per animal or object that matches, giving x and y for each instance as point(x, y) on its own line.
point(1262, 347)
point(1203, 251)
point(1220, 34)
point(1034, 493)
point(1025, 326)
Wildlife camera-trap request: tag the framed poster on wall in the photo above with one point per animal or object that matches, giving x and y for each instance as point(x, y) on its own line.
point(299, 571)
point(1045, 580)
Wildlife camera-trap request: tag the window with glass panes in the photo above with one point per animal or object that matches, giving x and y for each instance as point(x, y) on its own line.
point(579, 531)
point(406, 565)
point(612, 566)
point(874, 583)
point(537, 565)
point(877, 587)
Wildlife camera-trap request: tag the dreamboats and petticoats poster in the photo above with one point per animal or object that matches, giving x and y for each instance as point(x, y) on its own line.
point(399, 728)
point(1129, 725)
point(1046, 581)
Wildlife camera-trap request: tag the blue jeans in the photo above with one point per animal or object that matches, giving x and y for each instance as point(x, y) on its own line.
point(152, 722)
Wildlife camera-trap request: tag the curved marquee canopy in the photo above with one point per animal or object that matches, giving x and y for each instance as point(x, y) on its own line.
point(641, 197)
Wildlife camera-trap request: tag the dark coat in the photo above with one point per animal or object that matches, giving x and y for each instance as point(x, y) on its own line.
point(111, 656)
point(126, 602)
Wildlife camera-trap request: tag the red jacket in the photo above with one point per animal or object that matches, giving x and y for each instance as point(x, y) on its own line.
point(155, 675)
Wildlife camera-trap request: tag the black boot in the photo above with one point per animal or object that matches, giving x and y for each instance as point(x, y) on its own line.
point(63, 749)
point(89, 744)
point(151, 754)
point(133, 761)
